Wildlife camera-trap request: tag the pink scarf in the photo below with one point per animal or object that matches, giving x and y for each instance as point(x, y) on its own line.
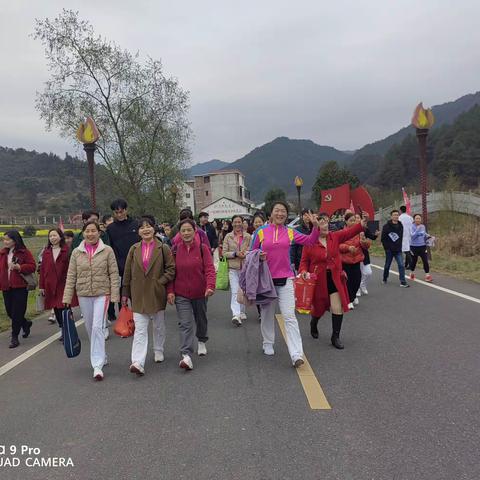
point(147, 251)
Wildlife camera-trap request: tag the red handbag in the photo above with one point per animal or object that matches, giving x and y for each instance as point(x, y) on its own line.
point(124, 326)
point(304, 292)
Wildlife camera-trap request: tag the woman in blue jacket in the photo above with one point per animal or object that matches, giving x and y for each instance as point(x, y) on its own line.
point(418, 247)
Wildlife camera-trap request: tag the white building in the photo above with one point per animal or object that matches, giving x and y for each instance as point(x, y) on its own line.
point(225, 208)
point(186, 196)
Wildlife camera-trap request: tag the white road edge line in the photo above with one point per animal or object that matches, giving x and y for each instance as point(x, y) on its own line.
point(437, 287)
point(24, 356)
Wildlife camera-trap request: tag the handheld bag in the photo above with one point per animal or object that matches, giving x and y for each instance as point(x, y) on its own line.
point(71, 341)
point(31, 280)
point(222, 282)
point(304, 292)
point(40, 303)
point(124, 326)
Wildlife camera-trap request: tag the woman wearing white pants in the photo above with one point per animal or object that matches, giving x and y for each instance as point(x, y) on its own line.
point(93, 275)
point(365, 266)
point(235, 246)
point(148, 269)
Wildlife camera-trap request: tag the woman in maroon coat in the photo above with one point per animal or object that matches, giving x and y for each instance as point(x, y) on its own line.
point(325, 261)
point(15, 261)
point(53, 273)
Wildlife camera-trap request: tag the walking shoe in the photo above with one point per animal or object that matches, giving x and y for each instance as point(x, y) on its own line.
point(268, 349)
point(313, 327)
point(364, 291)
point(137, 368)
point(14, 343)
point(106, 333)
point(350, 306)
point(52, 319)
point(158, 357)
point(202, 349)
point(61, 339)
point(428, 278)
point(356, 301)
point(359, 293)
point(298, 362)
point(243, 316)
point(236, 321)
point(336, 342)
point(98, 374)
point(412, 276)
point(404, 285)
point(26, 328)
point(384, 282)
point(186, 363)
point(108, 323)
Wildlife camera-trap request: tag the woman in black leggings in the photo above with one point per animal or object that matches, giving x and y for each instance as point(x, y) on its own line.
point(418, 247)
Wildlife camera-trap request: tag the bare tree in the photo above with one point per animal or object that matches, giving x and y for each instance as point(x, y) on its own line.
point(141, 114)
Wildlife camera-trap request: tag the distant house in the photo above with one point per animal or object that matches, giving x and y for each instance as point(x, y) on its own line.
point(187, 196)
point(225, 208)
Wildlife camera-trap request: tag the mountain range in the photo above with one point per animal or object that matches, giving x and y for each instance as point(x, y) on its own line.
point(276, 163)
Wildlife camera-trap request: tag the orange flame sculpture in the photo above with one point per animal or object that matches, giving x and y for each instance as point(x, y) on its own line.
point(87, 132)
point(423, 119)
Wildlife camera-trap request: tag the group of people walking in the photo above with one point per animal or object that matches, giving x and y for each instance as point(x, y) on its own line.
point(128, 262)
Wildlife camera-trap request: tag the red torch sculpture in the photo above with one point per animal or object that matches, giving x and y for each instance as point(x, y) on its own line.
point(423, 120)
point(87, 133)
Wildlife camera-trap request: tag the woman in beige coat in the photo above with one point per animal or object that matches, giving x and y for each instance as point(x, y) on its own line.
point(93, 275)
point(235, 247)
point(148, 269)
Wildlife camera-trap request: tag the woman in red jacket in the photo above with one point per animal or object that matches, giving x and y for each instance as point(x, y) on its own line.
point(53, 273)
point(194, 283)
point(352, 256)
point(15, 261)
point(325, 261)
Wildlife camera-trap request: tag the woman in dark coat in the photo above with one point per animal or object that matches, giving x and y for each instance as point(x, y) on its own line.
point(15, 261)
point(325, 261)
point(53, 273)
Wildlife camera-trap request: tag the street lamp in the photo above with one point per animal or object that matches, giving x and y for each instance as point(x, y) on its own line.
point(423, 120)
point(87, 134)
point(299, 184)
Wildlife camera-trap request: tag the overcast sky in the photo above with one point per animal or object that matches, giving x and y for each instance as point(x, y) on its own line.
point(341, 73)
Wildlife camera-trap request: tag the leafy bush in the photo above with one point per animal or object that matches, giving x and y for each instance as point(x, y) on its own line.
point(29, 231)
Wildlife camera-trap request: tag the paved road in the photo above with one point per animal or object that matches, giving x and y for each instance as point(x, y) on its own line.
point(405, 398)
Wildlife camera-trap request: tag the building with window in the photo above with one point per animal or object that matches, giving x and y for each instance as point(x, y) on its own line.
point(229, 184)
point(187, 196)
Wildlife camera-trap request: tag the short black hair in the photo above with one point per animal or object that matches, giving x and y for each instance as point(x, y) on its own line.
point(240, 217)
point(149, 219)
point(403, 209)
point(117, 204)
point(349, 215)
point(91, 222)
point(306, 210)
point(69, 233)
point(106, 217)
point(279, 202)
point(88, 213)
point(185, 221)
point(203, 214)
point(185, 213)
point(394, 211)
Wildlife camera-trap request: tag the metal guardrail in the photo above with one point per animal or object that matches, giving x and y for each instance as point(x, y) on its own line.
point(462, 202)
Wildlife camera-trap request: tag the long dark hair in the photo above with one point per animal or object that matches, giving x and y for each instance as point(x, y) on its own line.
point(17, 238)
point(60, 233)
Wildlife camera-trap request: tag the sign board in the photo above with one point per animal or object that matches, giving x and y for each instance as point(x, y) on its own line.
point(225, 208)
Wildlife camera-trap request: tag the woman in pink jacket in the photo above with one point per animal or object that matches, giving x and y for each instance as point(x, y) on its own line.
point(275, 240)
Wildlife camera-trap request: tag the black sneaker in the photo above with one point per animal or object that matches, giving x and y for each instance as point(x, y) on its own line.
point(26, 328)
point(405, 285)
point(14, 343)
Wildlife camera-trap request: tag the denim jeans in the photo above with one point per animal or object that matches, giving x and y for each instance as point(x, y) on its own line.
point(389, 256)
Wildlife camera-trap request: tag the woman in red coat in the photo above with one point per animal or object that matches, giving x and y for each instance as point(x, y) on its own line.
point(352, 255)
point(325, 261)
point(15, 261)
point(53, 273)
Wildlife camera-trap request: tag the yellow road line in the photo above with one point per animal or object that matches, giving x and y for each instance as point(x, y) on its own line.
point(312, 388)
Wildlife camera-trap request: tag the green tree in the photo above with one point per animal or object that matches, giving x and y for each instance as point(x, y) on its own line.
point(140, 112)
point(272, 196)
point(331, 175)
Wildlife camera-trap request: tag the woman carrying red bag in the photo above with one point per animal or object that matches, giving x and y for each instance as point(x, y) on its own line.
point(324, 260)
point(53, 273)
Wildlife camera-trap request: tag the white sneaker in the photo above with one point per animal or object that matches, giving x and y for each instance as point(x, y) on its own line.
point(359, 293)
point(186, 363)
point(268, 349)
point(243, 316)
point(364, 291)
point(237, 321)
point(350, 306)
point(106, 333)
point(159, 357)
point(356, 301)
point(98, 374)
point(137, 368)
point(202, 349)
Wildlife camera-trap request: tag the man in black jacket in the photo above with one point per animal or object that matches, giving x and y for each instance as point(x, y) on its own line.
point(392, 235)
point(209, 229)
point(123, 232)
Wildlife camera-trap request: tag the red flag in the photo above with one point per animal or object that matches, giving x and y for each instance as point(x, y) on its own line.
point(406, 201)
point(60, 225)
point(335, 199)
